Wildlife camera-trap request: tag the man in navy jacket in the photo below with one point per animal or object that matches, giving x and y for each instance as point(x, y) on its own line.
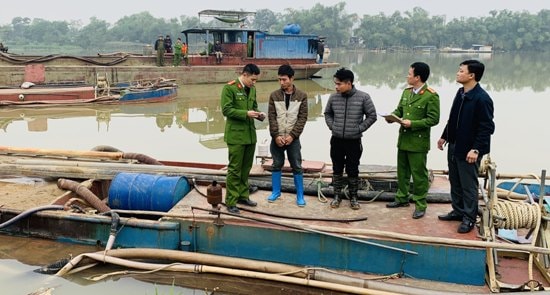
point(468, 133)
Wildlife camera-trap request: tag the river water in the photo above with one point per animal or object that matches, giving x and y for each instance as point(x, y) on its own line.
point(191, 129)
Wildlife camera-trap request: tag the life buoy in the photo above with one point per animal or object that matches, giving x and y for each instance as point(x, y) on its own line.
point(21, 97)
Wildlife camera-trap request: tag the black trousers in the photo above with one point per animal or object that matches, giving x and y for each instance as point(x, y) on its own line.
point(463, 177)
point(345, 154)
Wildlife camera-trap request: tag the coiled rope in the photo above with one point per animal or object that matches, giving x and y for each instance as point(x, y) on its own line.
point(514, 215)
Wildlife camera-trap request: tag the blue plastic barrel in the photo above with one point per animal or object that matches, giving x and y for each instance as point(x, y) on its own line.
point(148, 192)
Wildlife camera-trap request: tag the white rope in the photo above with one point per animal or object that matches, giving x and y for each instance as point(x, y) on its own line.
point(514, 215)
point(320, 195)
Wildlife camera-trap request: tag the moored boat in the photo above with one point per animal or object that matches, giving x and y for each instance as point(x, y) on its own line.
point(269, 52)
point(387, 243)
point(158, 90)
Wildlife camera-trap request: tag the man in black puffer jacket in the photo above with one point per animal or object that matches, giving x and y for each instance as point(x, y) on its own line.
point(349, 112)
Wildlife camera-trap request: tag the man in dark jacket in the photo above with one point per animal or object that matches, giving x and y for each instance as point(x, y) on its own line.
point(159, 47)
point(349, 112)
point(321, 50)
point(168, 44)
point(468, 134)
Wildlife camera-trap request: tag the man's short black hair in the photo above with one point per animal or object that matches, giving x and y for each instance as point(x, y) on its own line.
point(251, 69)
point(421, 69)
point(286, 70)
point(344, 75)
point(474, 67)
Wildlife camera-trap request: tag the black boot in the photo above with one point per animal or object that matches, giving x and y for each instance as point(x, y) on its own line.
point(337, 184)
point(353, 186)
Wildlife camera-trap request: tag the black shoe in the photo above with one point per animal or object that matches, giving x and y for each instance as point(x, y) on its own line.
point(247, 202)
point(396, 204)
point(335, 203)
point(354, 204)
point(233, 209)
point(465, 227)
point(418, 214)
point(252, 189)
point(451, 216)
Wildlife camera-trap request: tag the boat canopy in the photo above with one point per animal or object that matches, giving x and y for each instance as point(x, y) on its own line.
point(227, 16)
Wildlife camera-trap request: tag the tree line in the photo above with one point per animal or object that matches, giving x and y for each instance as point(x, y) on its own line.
point(504, 30)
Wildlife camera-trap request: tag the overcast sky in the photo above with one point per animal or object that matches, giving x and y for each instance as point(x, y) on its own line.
point(112, 10)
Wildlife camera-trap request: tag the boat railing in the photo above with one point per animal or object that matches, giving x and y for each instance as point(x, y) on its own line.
point(500, 214)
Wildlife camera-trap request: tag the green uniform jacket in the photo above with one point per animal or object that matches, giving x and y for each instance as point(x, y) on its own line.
point(423, 111)
point(239, 128)
point(177, 48)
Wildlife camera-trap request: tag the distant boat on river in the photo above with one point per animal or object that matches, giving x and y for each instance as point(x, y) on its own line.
point(269, 52)
point(476, 48)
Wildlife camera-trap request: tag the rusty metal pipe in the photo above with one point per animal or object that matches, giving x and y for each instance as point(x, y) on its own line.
point(84, 192)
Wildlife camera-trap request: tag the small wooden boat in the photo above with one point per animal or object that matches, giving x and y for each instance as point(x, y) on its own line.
point(149, 91)
point(157, 90)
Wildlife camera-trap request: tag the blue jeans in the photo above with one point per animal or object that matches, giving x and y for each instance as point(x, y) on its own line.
point(293, 152)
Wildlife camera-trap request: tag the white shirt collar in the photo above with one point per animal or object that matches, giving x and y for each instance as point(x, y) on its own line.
point(418, 89)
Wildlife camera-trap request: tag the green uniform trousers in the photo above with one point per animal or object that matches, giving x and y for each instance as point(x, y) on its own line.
point(412, 164)
point(241, 158)
point(177, 59)
point(160, 58)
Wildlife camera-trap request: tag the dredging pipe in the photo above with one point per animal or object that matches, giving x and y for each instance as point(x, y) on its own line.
point(84, 192)
point(208, 263)
point(195, 268)
point(29, 212)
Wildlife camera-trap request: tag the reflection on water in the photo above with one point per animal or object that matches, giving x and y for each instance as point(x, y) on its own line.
point(36, 118)
point(19, 257)
point(197, 110)
point(504, 71)
point(191, 128)
point(192, 99)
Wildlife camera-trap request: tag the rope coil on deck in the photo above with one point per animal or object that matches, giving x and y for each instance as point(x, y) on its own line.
point(514, 215)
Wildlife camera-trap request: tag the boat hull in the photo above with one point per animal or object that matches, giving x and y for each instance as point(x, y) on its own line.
point(202, 70)
point(82, 95)
point(188, 229)
point(44, 94)
point(154, 95)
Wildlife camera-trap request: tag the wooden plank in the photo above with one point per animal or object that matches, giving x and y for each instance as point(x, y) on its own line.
point(61, 153)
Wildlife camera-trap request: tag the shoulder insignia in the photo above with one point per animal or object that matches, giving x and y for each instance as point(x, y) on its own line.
point(430, 89)
point(231, 82)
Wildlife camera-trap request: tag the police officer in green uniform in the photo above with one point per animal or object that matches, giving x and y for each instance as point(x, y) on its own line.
point(159, 47)
point(239, 106)
point(419, 111)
